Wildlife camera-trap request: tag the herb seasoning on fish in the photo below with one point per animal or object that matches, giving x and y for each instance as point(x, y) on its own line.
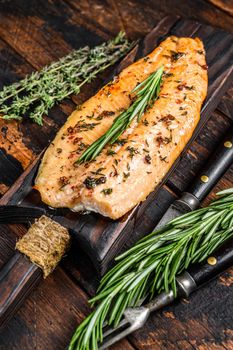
point(144, 94)
point(163, 139)
point(176, 55)
point(91, 182)
point(132, 151)
point(107, 191)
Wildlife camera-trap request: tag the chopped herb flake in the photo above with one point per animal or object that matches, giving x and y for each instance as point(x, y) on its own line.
point(107, 191)
point(132, 151)
point(91, 182)
point(176, 55)
point(148, 159)
point(110, 152)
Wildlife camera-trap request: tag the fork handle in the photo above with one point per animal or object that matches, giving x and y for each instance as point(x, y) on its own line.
point(216, 166)
point(17, 214)
point(17, 278)
point(199, 274)
point(196, 276)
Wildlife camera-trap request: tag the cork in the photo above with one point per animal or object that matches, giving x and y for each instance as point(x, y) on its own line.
point(45, 243)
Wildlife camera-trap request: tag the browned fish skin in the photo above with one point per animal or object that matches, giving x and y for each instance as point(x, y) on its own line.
point(124, 174)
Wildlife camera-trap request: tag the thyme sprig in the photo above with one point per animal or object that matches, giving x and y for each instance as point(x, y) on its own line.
point(145, 94)
point(36, 94)
point(152, 264)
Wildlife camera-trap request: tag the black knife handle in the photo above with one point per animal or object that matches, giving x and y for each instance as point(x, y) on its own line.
point(216, 166)
point(199, 274)
point(214, 169)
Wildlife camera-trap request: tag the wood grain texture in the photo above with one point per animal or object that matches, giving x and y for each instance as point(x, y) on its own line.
point(225, 5)
point(17, 278)
point(49, 29)
point(226, 104)
point(49, 316)
point(7, 244)
point(138, 17)
point(102, 238)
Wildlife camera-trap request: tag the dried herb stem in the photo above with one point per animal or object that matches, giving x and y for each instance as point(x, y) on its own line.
point(35, 95)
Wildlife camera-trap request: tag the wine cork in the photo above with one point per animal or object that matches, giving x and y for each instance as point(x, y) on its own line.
point(45, 243)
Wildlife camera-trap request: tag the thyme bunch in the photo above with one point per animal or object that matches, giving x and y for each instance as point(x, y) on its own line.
point(36, 94)
point(152, 264)
point(145, 94)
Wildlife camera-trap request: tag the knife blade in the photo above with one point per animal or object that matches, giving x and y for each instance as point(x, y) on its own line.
point(216, 166)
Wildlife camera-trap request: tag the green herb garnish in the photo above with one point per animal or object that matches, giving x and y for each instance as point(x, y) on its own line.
point(107, 191)
point(145, 94)
point(91, 182)
point(132, 151)
point(151, 265)
point(35, 95)
point(176, 55)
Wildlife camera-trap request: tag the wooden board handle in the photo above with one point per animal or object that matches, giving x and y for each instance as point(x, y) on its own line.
point(17, 278)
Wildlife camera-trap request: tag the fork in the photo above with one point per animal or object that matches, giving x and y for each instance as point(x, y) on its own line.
point(133, 319)
point(187, 282)
point(17, 214)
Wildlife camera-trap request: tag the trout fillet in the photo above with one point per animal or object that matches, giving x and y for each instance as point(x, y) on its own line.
point(124, 174)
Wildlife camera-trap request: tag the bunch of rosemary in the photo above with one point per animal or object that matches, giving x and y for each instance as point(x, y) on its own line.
point(152, 265)
point(40, 91)
point(145, 94)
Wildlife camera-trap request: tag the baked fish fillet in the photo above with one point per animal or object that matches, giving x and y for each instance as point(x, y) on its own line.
point(124, 174)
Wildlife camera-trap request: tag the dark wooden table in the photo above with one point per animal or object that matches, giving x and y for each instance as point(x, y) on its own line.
point(34, 33)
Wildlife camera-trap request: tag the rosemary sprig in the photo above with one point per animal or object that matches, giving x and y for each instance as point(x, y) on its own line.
point(40, 91)
point(145, 94)
point(153, 263)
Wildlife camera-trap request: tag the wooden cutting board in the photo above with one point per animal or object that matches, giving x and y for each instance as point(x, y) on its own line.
point(102, 238)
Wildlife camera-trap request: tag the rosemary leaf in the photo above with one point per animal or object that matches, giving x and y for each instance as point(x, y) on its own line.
point(145, 94)
point(36, 94)
point(152, 264)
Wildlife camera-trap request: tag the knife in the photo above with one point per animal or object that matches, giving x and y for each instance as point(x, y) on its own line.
point(216, 166)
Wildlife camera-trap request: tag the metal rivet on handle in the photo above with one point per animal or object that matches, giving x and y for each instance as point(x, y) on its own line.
point(204, 178)
point(212, 260)
point(228, 144)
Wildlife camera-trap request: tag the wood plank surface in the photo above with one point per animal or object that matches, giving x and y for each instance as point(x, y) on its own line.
point(102, 238)
point(34, 33)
